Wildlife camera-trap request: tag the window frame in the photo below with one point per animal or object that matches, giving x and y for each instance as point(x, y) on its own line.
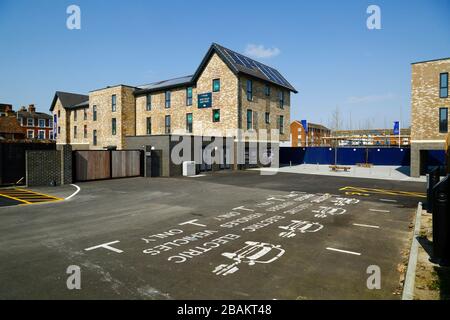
point(189, 98)
point(267, 90)
point(148, 125)
point(249, 119)
point(94, 137)
point(43, 134)
point(214, 81)
point(443, 87)
point(249, 90)
point(441, 120)
point(32, 134)
point(94, 113)
point(189, 125)
point(281, 100)
point(167, 124)
point(113, 103)
point(39, 123)
point(114, 126)
point(75, 132)
point(75, 115)
point(167, 98)
point(148, 102)
point(28, 122)
point(267, 117)
point(281, 124)
point(85, 131)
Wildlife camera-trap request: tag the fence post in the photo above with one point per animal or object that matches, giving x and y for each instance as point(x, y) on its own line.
point(441, 222)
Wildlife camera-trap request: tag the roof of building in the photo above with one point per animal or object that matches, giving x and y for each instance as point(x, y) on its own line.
point(27, 114)
point(68, 99)
point(80, 105)
point(10, 125)
point(313, 125)
point(433, 60)
point(238, 64)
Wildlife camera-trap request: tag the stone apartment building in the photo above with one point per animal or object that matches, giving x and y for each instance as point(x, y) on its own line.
point(226, 91)
point(429, 111)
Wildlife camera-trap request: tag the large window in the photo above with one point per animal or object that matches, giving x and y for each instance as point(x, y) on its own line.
point(281, 99)
point(94, 113)
point(189, 122)
point(114, 126)
point(75, 115)
point(113, 103)
point(41, 134)
point(249, 119)
point(94, 136)
point(30, 134)
point(216, 85)
point(216, 115)
point(249, 90)
point(85, 132)
point(281, 124)
point(267, 90)
point(167, 124)
point(167, 95)
point(148, 105)
point(149, 125)
point(75, 132)
point(443, 85)
point(189, 96)
point(30, 122)
point(42, 123)
point(443, 120)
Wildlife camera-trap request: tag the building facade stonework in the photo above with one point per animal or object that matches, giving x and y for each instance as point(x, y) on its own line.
point(241, 94)
point(429, 111)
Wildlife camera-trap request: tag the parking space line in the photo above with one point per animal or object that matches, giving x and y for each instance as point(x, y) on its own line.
point(14, 198)
point(27, 197)
point(378, 210)
point(366, 226)
point(344, 251)
point(386, 192)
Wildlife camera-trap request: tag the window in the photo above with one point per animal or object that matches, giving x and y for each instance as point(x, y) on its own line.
point(113, 126)
point(443, 85)
point(267, 117)
point(42, 123)
point(189, 122)
point(94, 136)
point(59, 130)
point(281, 99)
point(30, 122)
point(167, 99)
point(84, 114)
point(267, 90)
point(281, 124)
point(41, 134)
point(249, 119)
point(216, 85)
point(216, 115)
point(59, 113)
point(94, 113)
point(75, 113)
point(443, 120)
point(75, 132)
point(21, 121)
point(249, 90)
point(51, 135)
point(85, 132)
point(189, 96)
point(113, 103)
point(167, 124)
point(149, 125)
point(148, 105)
point(30, 134)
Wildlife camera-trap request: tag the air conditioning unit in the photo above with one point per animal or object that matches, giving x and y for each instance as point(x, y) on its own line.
point(189, 168)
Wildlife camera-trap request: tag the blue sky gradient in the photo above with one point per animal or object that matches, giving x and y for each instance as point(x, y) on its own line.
point(325, 49)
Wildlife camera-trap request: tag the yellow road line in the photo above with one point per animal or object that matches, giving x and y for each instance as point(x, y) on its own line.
point(14, 198)
point(386, 192)
point(41, 194)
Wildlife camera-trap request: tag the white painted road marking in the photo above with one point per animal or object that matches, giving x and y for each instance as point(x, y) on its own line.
point(388, 200)
point(193, 222)
point(75, 193)
point(366, 226)
point(106, 246)
point(344, 251)
point(377, 210)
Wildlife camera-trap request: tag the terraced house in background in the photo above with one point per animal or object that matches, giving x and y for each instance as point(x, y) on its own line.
point(227, 91)
point(429, 113)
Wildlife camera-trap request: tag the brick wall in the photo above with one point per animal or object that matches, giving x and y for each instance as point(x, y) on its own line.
point(43, 167)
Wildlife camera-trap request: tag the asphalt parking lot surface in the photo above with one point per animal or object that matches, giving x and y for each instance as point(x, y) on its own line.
point(223, 236)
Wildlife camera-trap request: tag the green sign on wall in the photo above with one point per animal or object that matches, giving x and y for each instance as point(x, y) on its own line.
point(204, 100)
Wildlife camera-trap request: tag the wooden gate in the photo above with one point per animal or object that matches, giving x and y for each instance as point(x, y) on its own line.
point(106, 164)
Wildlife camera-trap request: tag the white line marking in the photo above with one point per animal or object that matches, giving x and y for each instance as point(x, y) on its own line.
point(75, 193)
point(106, 246)
point(388, 200)
point(344, 251)
point(377, 210)
point(366, 226)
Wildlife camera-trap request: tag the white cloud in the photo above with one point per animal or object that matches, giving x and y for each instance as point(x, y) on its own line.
point(371, 98)
point(259, 51)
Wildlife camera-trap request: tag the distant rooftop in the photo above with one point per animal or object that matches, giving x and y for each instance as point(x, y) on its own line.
point(426, 61)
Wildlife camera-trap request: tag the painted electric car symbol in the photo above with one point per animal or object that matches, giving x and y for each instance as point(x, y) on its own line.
point(323, 212)
point(343, 201)
point(251, 254)
point(299, 226)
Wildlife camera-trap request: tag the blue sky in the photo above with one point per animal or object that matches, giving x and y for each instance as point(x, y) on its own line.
point(322, 47)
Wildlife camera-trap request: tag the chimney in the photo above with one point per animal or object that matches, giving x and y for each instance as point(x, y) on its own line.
point(31, 108)
point(22, 108)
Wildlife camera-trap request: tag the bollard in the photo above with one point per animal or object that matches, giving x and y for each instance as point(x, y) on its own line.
point(441, 222)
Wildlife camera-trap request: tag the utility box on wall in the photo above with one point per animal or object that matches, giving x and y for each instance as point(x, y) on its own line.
point(189, 168)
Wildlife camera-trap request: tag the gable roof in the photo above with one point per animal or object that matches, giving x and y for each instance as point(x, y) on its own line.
point(238, 64)
point(10, 125)
point(68, 99)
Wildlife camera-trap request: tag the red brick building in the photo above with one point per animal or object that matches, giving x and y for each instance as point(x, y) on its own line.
point(37, 125)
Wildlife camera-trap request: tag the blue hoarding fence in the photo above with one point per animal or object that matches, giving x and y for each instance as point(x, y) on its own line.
point(352, 156)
